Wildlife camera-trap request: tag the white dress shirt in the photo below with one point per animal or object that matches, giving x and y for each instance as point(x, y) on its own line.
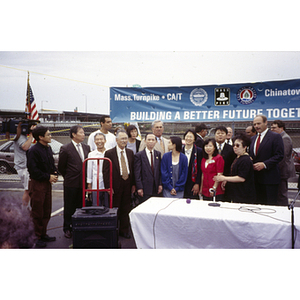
point(79, 148)
point(92, 169)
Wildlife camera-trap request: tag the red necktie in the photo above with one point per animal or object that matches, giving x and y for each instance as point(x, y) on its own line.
point(257, 144)
point(152, 167)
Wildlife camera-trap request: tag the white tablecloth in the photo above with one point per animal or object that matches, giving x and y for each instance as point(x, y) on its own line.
point(167, 223)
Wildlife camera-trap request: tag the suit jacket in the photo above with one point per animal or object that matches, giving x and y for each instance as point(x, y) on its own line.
point(199, 142)
point(116, 175)
point(144, 178)
point(286, 166)
point(70, 164)
point(189, 183)
point(270, 152)
point(157, 146)
point(228, 156)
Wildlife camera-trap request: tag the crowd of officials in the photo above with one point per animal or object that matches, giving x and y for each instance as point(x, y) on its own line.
point(250, 167)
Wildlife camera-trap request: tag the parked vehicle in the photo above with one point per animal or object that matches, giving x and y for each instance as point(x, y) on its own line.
point(7, 156)
point(296, 157)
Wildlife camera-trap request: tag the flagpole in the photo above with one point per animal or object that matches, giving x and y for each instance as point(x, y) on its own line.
point(28, 97)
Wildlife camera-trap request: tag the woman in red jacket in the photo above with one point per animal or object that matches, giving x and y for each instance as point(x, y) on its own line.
point(212, 164)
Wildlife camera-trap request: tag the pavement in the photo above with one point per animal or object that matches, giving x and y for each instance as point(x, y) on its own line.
point(13, 187)
point(55, 225)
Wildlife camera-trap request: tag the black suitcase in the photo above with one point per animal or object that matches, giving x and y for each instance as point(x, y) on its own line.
point(95, 226)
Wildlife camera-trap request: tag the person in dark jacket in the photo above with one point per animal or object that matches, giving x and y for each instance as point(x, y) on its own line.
point(70, 161)
point(194, 156)
point(240, 183)
point(42, 171)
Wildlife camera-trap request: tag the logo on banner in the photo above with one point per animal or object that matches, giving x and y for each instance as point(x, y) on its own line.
point(222, 96)
point(246, 95)
point(198, 96)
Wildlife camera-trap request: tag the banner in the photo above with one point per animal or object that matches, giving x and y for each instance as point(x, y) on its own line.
point(207, 103)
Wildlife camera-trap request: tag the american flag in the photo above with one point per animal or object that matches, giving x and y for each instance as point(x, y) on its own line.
point(30, 104)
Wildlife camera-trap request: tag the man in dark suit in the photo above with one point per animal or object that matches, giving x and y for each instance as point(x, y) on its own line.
point(224, 149)
point(201, 132)
point(122, 179)
point(286, 166)
point(147, 178)
point(70, 161)
point(267, 151)
point(162, 143)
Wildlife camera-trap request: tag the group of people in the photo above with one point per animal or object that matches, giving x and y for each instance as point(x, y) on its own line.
point(240, 168)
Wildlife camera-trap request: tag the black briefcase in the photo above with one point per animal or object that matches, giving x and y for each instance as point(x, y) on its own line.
point(95, 227)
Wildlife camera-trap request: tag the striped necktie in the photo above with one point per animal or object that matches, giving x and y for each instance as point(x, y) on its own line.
point(123, 166)
point(79, 152)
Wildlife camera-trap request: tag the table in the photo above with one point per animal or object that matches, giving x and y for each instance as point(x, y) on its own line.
point(169, 223)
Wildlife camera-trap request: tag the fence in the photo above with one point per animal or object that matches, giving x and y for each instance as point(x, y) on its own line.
point(60, 133)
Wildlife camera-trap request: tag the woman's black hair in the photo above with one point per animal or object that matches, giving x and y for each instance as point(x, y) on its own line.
point(129, 128)
point(213, 141)
point(191, 131)
point(177, 141)
point(246, 140)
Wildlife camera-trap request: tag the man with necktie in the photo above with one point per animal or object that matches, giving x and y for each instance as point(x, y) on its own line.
point(123, 182)
point(161, 144)
point(147, 170)
point(267, 151)
point(70, 161)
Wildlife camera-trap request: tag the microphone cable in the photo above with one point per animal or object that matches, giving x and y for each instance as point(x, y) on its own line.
point(154, 239)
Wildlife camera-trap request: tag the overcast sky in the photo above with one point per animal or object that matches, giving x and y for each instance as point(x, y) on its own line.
point(63, 80)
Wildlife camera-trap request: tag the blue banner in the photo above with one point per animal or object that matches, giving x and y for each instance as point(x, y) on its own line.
point(207, 103)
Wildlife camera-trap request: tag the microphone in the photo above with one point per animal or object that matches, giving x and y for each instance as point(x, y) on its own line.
point(214, 203)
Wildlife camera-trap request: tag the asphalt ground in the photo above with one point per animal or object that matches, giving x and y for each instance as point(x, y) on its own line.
point(55, 225)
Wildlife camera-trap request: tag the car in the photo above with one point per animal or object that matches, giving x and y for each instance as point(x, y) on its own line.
point(7, 156)
point(296, 158)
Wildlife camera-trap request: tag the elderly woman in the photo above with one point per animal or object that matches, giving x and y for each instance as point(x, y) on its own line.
point(133, 144)
point(212, 164)
point(194, 156)
point(174, 168)
point(240, 183)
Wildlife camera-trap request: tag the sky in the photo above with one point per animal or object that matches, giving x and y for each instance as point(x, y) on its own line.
point(65, 80)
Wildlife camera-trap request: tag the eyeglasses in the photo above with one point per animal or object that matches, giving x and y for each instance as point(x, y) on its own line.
point(237, 145)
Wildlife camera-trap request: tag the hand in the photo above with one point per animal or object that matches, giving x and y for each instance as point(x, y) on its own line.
point(53, 178)
point(195, 189)
point(219, 178)
point(173, 192)
point(223, 185)
point(133, 188)
point(259, 166)
point(160, 188)
point(140, 192)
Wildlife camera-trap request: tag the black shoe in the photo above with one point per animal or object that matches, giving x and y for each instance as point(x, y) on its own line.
point(68, 234)
point(125, 235)
point(47, 238)
point(40, 244)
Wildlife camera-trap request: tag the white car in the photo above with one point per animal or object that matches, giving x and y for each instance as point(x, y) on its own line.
point(7, 155)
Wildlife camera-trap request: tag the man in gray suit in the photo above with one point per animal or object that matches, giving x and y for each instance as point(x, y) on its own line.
point(286, 166)
point(147, 170)
point(161, 143)
point(70, 161)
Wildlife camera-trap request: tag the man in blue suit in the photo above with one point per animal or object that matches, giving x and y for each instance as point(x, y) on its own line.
point(267, 151)
point(147, 179)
